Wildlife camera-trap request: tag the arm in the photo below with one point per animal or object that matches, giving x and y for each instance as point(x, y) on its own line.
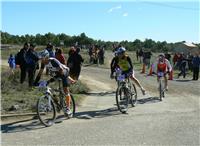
point(130, 62)
point(168, 65)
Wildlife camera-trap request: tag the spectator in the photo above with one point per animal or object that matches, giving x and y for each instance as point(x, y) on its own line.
point(147, 58)
point(60, 56)
point(140, 54)
point(190, 58)
point(196, 65)
point(137, 54)
point(11, 62)
point(74, 63)
point(168, 56)
point(182, 67)
point(175, 58)
point(49, 48)
point(101, 55)
point(20, 60)
point(90, 53)
point(31, 59)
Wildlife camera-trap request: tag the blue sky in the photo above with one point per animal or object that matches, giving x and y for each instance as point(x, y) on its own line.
point(114, 20)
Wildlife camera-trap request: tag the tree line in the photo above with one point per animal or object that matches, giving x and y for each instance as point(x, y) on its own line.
point(83, 40)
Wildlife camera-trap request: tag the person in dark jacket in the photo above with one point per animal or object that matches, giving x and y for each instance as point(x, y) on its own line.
point(31, 62)
point(196, 65)
point(74, 63)
point(20, 60)
point(182, 68)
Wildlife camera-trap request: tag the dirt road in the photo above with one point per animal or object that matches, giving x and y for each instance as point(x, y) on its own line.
point(174, 121)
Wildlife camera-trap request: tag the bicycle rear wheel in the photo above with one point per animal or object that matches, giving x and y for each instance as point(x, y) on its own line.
point(122, 99)
point(46, 110)
point(133, 95)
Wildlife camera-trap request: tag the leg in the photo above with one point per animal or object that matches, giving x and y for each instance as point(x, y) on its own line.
point(138, 84)
point(23, 75)
point(37, 79)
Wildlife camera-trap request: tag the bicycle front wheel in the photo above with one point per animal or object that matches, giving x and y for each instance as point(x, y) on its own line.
point(122, 99)
point(46, 110)
point(160, 90)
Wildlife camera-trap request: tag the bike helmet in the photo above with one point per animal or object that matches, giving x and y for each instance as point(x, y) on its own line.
point(43, 54)
point(121, 50)
point(162, 55)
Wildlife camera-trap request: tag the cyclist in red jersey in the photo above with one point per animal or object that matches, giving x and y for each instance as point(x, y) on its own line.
point(163, 65)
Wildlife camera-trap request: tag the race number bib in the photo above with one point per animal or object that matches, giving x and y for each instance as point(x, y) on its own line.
point(121, 77)
point(160, 74)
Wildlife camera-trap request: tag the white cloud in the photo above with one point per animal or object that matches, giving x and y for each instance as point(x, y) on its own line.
point(125, 14)
point(114, 8)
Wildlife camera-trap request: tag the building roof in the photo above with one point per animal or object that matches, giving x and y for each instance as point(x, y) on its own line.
point(190, 45)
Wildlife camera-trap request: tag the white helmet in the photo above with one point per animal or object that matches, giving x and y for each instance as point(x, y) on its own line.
point(43, 54)
point(121, 50)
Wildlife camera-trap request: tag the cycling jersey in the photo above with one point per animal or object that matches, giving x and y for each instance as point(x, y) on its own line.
point(54, 67)
point(124, 64)
point(163, 66)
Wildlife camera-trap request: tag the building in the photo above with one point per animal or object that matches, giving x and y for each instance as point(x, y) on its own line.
point(186, 48)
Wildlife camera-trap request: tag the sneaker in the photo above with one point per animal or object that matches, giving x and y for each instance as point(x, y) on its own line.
point(143, 91)
point(166, 88)
point(68, 113)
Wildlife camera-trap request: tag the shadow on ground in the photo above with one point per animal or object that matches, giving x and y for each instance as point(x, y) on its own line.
point(148, 100)
point(27, 125)
point(22, 125)
point(100, 93)
point(98, 113)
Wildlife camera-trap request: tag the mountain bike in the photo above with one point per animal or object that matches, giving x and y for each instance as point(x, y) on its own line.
point(126, 92)
point(49, 103)
point(161, 87)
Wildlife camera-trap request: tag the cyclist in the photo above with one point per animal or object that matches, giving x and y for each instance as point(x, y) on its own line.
point(58, 70)
point(163, 65)
point(123, 61)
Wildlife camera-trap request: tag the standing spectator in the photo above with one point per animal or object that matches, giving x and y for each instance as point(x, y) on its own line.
point(12, 65)
point(60, 56)
point(141, 53)
point(182, 68)
point(74, 63)
point(179, 60)
point(147, 58)
point(101, 55)
point(31, 59)
point(196, 65)
point(20, 60)
point(190, 58)
point(137, 54)
point(49, 48)
point(168, 56)
point(90, 53)
point(175, 58)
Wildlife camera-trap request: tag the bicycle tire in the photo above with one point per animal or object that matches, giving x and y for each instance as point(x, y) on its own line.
point(133, 95)
point(44, 109)
point(160, 90)
point(122, 99)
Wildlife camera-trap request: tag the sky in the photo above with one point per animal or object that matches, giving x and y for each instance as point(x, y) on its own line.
point(170, 21)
